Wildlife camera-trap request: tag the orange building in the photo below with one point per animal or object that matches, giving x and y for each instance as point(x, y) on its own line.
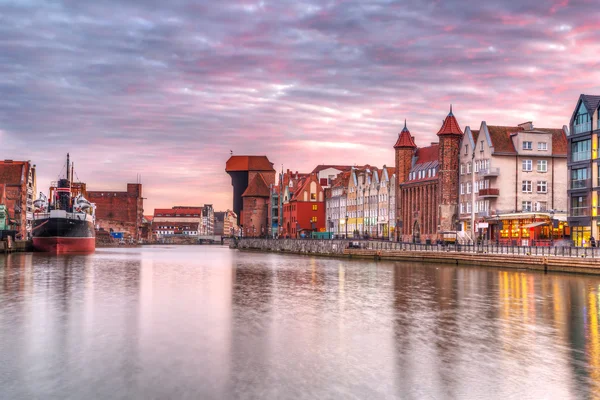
point(303, 205)
point(17, 192)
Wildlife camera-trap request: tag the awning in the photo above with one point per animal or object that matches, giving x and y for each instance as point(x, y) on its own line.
point(534, 224)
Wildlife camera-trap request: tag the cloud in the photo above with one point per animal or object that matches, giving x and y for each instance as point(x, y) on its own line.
point(166, 89)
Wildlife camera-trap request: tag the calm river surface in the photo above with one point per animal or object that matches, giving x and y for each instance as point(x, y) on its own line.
point(207, 322)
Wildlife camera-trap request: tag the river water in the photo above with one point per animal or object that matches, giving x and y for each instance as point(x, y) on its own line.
point(206, 322)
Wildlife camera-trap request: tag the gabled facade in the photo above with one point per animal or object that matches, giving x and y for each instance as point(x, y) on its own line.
point(17, 192)
point(583, 184)
point(512, 183)
point(303, 205)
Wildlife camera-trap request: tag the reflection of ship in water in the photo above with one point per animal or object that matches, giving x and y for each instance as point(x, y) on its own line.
point(65, 222)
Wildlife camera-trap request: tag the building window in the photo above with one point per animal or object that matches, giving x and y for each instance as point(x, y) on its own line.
point(541, 206)
point(315, 207)
point(579, 206)
point(313, 219)
point(476, 166)
point(468, 187)
point(527, 165)
point(542, 166)
point(462, 208)
point(468, 168)
point(466, 149)
point(462, 188)
point(542, 146)
point(468, 207)
point(462, 169)
point(481, 145)
point(581, 151)
point(526, 206)
point(542, 187)
point(526, 186)
point(527, 145)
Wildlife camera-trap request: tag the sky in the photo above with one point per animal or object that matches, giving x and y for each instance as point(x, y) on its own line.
point(167, 89)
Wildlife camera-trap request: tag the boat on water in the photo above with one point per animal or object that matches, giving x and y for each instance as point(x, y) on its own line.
point(64, 221)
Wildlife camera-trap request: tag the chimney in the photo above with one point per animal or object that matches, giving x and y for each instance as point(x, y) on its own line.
point(526, 125)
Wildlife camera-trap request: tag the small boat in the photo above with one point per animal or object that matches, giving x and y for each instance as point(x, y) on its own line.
point(65, 222)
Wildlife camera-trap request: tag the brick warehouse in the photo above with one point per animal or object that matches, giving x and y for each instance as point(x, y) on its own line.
point(427, 189)
point(119, 211)
point(17, 192)
point(251, 177)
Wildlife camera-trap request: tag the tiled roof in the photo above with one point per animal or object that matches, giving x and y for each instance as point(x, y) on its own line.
point(450, 126)
point(320, 168)
point(427, 154)
point(559, 140)
point(405, 139)
point(12, 172)
point(257, 188)
point(178, 212)
point(248, 163)
point(591, 102)
point(500, 137)
point(391, 171)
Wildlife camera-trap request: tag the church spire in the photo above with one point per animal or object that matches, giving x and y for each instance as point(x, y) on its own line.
point(405, 139)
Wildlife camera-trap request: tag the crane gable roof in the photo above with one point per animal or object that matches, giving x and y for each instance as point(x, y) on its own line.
point(248, 163)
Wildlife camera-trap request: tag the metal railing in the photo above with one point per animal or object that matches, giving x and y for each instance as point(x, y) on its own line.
point(489, 171)
point(584, 127)
point(581, 155)
point(580, 183)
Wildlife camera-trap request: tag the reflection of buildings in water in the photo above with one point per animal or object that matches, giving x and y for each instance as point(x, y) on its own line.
point(593, 341)
point(16, 273)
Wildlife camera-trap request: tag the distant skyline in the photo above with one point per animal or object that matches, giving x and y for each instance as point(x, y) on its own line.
point(166, 89)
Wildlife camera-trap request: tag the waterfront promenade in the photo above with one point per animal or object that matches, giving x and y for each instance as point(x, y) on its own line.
point(563, 259)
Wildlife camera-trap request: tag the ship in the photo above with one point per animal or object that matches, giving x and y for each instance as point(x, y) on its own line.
point(64, 221)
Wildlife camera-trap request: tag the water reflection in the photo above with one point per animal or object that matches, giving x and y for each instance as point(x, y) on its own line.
point(210, 323)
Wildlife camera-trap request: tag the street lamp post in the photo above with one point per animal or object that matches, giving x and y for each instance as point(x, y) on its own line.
point(346, 226)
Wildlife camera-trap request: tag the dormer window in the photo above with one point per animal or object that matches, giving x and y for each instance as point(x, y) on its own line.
point(527, 145)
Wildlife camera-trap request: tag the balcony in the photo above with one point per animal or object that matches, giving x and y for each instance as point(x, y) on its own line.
point(487, 172)
point(489, 193)
point(582, 128)
point(580, 183)
point(580, 211)
point(581, 155)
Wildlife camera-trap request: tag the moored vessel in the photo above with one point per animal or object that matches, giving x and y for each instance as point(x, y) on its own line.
point(64, 222)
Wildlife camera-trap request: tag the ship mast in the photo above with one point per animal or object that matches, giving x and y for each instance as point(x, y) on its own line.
point(68, 168)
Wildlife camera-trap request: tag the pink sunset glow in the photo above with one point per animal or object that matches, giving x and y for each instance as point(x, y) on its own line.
point(167, 89)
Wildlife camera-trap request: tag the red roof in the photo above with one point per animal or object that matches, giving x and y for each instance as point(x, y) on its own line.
point(500, 137)
point(178, 212)
point(11, 172)
point(559, 140)
point(248, 163)
point(427, 154)
point(405, 139)
point(450, 126)
point(257, 188)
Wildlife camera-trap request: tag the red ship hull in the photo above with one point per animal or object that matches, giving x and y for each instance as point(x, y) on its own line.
point(62, 245)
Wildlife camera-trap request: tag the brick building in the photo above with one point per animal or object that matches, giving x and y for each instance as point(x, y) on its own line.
point(250, 175)
point(119, 211)
point(303, 207)
point(427, 177)
point(17, 192)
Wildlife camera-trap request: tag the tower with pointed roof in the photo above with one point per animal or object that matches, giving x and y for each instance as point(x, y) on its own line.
point(404, 150)
point(450, 136)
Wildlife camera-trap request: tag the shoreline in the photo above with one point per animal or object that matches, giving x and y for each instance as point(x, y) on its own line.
point(402, 252)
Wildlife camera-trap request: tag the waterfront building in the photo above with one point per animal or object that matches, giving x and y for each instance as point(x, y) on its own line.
point(352, 221)
point(230, 226)
point(168, 222)
point(274, 206)
point(208, 220)
point(303, 205)
point(583, 169)
point(250, 206)
point(119, 211)
point(219, 229)
point(512, 184)
point(427, 192)
point(18, 190)
point(386, 202)
point(336, 198)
